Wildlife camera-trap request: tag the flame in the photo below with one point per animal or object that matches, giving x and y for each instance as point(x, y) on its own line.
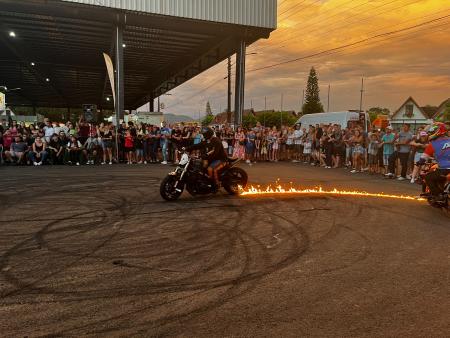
point(280, 190)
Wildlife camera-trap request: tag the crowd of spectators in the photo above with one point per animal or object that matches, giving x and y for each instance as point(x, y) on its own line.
point(385, 151)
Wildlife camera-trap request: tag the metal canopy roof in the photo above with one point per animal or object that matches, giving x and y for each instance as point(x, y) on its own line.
point(65, 42)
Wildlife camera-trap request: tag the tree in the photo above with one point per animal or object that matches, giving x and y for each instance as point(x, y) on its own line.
point(208, 109)
point(375, 111)
point(445, 117)
point(208, 120)
point(312, 100)
point(249, 121)
point(270, 119)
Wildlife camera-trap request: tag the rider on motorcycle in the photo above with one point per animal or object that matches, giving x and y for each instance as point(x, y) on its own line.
point(215, 153)
point(439, 149)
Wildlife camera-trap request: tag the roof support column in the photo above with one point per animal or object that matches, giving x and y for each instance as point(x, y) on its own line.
point(152, 104)
point(119, 73)
point(240, 83)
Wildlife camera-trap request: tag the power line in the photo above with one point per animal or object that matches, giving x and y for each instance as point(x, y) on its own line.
point(349, 44)
point(333, 27)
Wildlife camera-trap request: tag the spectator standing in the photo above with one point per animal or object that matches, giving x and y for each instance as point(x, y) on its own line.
point(373, 153)
point(298, 147)
point(48, 131)
point(419, 145)
point(402, 143)
point(250, 146)
point(387, 141)
point(106, 136)
point(239, 144)
point(129, 146)
point(165, 133)
point(358, 151)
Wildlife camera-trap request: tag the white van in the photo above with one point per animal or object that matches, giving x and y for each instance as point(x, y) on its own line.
point(343, 118)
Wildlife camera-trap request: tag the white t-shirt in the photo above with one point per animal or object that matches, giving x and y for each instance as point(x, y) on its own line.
point(49, 131)
point(290, 139)
point(298, 134)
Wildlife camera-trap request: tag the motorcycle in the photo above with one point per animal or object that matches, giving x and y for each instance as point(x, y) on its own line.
point(427, 168)
point(190, 175)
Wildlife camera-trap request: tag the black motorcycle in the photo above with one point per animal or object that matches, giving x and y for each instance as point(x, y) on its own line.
point(444, 204)
point(191, 175)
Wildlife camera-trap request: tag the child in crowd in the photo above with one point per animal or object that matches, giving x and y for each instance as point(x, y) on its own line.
point(374, 144)
point(129, 147)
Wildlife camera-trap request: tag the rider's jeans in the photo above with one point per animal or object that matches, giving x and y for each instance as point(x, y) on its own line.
point(164, 146)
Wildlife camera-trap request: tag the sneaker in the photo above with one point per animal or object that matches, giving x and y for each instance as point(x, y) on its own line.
point(110, 162)
point(103, 163)
point(35, 163)
point(413, 180)
point(164, 162)
point(354, 171)
point(39, 163)
point(401, 178)
point(409, 177)
point(248, 162)
point(294, 161)
point(78, 163)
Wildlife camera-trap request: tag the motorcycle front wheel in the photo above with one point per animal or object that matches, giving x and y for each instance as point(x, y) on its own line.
point(167, 189)
point(236, 177)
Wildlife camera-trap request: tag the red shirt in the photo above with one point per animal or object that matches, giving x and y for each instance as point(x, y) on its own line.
point(129, 141)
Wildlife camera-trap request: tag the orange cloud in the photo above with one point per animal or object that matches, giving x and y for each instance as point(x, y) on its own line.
point(411, 62)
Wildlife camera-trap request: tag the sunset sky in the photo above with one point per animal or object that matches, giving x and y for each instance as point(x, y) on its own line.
point(413, 62)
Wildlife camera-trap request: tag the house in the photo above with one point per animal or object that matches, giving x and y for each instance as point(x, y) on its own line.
point(441, 109)
point(412, 113)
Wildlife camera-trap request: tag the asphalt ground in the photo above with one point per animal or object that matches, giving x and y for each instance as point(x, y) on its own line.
point(96, 251)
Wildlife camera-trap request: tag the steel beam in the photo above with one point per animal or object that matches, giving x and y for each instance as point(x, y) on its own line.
point(240, 83)
point(120, 97)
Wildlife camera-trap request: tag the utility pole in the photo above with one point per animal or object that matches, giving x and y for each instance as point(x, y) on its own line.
point(303, 100)
point(265, 111)
point(229, 92)
point(328, 104)
point(281, 111)
point(362, 92)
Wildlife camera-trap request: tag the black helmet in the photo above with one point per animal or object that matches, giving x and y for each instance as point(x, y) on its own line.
point(207, 133)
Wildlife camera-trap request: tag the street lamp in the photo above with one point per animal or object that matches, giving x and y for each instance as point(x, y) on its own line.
point(12, 34)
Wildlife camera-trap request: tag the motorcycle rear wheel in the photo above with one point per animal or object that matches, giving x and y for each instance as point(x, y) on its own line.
point(167, 189)
point(236, 177)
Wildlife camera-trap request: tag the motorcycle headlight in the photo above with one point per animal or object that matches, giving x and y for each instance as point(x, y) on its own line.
point(184, 159)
